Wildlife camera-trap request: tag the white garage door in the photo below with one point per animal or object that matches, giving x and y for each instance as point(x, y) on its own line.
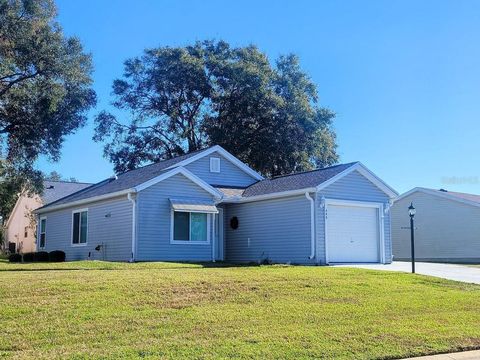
point(352, 234)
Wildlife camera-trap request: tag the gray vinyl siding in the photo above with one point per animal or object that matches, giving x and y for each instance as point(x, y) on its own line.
point(154, 222)
point(353, 187)
point(229, 174)
point(278, 229)
point(445, 230)
point(113, 231)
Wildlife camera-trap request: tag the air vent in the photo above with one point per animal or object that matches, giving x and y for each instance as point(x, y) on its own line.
point(443, 190)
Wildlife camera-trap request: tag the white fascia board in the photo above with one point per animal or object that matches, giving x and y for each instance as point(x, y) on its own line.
point(362, 169)
point(83, 201)
point(234, 200)
point(226, 155)
point(180, 170)
point(441, 194)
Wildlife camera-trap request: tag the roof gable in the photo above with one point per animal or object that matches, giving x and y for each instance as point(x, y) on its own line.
point(470, 199)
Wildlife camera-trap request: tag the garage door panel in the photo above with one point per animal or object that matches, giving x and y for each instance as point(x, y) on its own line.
point(352, 234)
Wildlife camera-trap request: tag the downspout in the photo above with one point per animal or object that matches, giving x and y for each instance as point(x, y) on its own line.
point(312, 225)
point(213, 240)
point(134, 224)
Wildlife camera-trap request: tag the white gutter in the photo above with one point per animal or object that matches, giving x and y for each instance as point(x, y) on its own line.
point(83, 201)
point(238, 199)
point(134, 223)
point(312, 225)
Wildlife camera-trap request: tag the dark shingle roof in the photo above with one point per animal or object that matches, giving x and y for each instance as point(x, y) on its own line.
point(54, 190)
point(295, 181)
point(125, 180)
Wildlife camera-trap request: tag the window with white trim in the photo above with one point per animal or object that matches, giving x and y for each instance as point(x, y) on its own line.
point(43, 233)
point(190, 226)
point(215, 164)
point(79, 227)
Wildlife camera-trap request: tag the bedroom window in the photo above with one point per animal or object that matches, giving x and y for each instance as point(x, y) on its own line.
point(191, 227)
point(215, 164)
point(43, 233)
point(80, 227)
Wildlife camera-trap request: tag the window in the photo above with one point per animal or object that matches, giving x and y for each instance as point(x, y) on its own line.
point(190, 226)
point(214, 164)
point(25, 232)
point(80, 227)
point(43, 232)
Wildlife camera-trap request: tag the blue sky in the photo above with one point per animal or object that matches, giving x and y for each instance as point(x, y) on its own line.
point(402, 76)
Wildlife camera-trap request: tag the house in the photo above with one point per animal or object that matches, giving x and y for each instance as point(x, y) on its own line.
point(447, 226)
point(209, 206)
point(20, 226)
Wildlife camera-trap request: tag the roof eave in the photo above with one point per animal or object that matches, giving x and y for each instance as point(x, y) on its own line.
point(47, 208)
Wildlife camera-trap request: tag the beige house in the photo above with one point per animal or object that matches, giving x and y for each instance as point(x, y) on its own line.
point(20, 228)
point(447, 226)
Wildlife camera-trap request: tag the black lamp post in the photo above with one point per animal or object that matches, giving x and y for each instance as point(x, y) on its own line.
point(411, 212)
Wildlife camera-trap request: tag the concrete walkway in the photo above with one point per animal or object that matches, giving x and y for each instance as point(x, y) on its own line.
point(447, 271)
point(466, 355)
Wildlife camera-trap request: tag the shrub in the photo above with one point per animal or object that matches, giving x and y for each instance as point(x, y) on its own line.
point(15, 258)
point(56, 256)
point(41, 256)
point(28, 257)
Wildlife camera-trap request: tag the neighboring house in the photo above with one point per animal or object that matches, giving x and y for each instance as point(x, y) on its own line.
point(447, 226)
point(208, 206)
point(20, 226)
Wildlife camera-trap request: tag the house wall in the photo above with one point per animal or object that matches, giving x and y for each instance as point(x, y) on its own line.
point(154, 222)
point(229, 174)
point(21, 218)
point(354, 187)
point(109, 223)
point(276, 229)
point(445, 230)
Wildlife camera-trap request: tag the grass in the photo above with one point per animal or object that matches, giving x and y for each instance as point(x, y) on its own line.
point(84, 310)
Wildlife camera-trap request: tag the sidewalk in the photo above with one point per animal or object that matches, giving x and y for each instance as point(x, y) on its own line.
point(466, 355)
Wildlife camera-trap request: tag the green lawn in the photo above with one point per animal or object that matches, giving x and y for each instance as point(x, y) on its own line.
point(165, 310)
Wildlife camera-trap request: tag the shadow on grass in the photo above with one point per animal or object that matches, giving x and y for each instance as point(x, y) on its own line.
point(5, 266)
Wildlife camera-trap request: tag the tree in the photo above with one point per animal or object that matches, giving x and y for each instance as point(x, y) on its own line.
point(45, 87)
point(182, 99)
point(55, 176)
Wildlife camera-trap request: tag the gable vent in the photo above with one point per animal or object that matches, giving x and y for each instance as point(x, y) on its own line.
point(215, 164)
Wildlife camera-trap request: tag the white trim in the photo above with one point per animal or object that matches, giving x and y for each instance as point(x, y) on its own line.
point(312, 225)
point(184, 172)
point(214, 232)
point(221, 234)
point(438, 193)
point(134, 226)
point(76, 211)
point(362, 169)
point(40, 232)
point(83, 201)
point(188, 242)
point(381, 234)
point(226, 155)
point(215, 166)
point(268, 196)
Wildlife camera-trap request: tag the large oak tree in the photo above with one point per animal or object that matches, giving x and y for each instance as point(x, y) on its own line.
point(175, 100)
point(45, 91)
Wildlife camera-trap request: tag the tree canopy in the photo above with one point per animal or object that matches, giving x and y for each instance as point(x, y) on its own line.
point(45, 87)
point(174, 100)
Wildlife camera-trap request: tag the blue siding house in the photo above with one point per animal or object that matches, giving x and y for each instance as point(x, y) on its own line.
point(210, 206)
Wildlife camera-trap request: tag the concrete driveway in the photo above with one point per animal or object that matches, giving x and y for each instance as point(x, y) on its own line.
point(446, 271)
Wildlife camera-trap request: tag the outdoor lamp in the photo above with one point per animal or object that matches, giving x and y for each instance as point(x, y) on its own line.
point(411, 210)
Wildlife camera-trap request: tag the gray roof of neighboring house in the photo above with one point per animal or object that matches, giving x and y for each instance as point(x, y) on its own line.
point(463, 196)
point(125, 180)
point(54, 190)
point(296, 181)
